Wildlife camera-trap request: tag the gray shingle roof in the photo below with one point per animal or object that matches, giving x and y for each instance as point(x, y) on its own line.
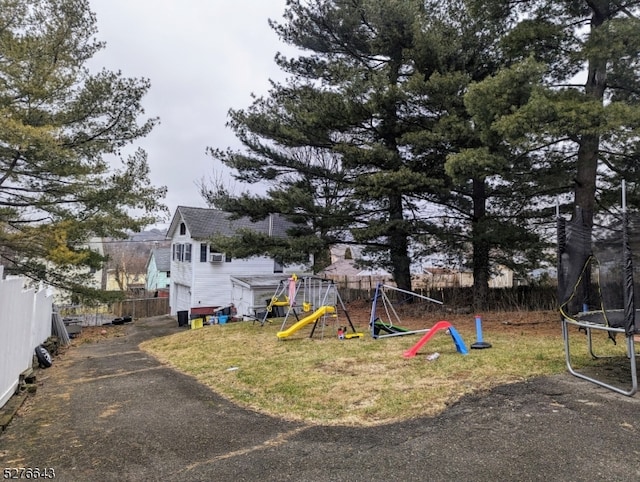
point(163, 258)
point(261, 281)
point(203, 223)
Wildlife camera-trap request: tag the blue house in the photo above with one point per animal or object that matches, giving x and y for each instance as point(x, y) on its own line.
point(159, 271)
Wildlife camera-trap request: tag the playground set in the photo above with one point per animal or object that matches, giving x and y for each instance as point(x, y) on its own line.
point(390, 325)
point(385, 321)
point(310, 300)
point(313, 301)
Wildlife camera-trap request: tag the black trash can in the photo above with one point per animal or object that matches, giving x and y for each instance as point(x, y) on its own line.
point(183, 318)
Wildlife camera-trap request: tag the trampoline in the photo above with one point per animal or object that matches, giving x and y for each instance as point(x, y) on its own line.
point(598, 281)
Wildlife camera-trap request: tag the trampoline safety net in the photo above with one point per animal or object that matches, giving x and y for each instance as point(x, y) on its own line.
point(598, 273)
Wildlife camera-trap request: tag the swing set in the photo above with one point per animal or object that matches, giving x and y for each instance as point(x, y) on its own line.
point(320, 300)
point(383, 329)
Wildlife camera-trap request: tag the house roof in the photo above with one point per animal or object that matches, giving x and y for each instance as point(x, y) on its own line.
point(342, 267)
point(265, 281)
point(259, 281)
point(163, 258)
point(203, 223)
point(348, 267)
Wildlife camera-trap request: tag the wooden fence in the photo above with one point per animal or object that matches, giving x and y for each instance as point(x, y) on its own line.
point(25, 322)
point(502, 299)
point(141, 308)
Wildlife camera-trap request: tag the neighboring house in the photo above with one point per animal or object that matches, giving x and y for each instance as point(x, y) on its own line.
point(349, 275)
point(159, 271)
point(126, 265)
point(201, 278)
point(448, 278)
point(64, 297)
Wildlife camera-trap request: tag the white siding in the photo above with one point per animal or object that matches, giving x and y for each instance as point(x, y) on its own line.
point(212, 281)
point(181, 281)
point(182, 300)
point(183, 273)
point(204, 284)
point(248, 301)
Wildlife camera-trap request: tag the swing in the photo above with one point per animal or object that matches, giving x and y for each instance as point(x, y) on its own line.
point(380, 328)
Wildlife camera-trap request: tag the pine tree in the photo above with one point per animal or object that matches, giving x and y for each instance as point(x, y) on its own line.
point(346, 99)
point(59, 126)
point(583, 112)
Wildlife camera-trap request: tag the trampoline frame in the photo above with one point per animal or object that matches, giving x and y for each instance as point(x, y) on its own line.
point(604, 324)
point(588, 326)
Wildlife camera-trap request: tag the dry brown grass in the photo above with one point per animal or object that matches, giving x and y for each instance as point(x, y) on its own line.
point(94, 334)
point(363, 381)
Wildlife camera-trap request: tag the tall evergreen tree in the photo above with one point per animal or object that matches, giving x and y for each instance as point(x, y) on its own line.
point(58, 122)
point(583, 112)
point(345, 96)
point(382, 86)
point(483, 219)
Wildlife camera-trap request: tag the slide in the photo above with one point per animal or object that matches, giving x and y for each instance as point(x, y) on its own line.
point(323, 310)
point(441, 325)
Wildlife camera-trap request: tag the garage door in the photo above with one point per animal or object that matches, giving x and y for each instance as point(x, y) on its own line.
point(183, 298)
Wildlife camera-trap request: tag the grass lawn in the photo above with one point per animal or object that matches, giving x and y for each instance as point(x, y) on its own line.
point(365, 381)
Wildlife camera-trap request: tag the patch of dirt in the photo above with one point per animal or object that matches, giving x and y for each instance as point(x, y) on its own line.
point(94, 334)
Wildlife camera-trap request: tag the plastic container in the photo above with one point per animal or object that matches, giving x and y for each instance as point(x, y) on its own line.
point(222, 319)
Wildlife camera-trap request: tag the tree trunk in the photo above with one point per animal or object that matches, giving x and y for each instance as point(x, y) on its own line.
point(589, 144)
point(480, 246)
point(399, 245)
point(398, 238)
point(321, 259)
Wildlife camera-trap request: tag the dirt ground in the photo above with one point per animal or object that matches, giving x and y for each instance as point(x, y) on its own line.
point(421, 316)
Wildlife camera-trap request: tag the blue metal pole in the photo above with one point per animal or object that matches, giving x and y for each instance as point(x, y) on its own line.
point(372, 320)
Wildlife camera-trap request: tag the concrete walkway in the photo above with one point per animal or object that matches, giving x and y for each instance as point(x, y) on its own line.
point(110, 412)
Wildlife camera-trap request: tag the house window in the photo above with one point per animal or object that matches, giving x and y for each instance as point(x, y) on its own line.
point(203, 252)
point(183, 229)
point(181, 252)
point(277, 267)
point(227, 258)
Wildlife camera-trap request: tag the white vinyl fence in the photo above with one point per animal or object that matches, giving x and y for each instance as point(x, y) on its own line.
point(25, 322)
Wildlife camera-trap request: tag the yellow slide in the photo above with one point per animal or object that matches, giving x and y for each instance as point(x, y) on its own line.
point(323, 310)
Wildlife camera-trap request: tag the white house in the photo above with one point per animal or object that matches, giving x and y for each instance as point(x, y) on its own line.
point(201, 278)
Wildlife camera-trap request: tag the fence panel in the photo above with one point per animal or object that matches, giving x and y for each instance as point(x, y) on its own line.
point(25, 322)
point(142, 308)
point(354, 288)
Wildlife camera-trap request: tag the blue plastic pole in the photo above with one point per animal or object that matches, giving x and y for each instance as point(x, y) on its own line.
point(480, 343)
point(479, 329)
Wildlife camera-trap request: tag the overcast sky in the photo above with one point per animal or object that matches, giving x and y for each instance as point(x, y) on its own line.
point(202, 57)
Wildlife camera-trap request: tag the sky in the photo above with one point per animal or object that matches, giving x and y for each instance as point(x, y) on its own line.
point(202, 58)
